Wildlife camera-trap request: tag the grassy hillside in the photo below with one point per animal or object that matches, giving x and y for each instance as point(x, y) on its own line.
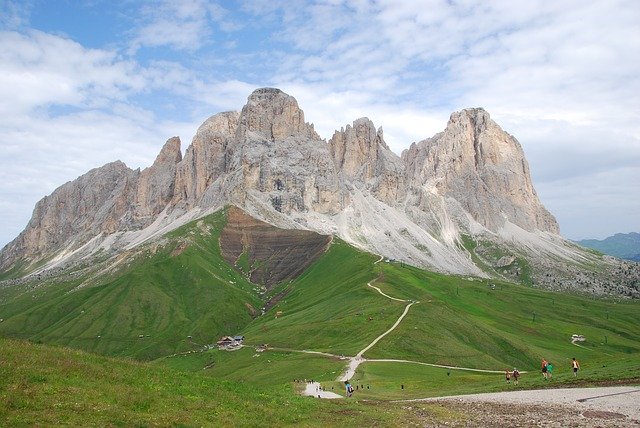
point(175, 295)
point(169, 291)
point(50, 386)
point(477, 324)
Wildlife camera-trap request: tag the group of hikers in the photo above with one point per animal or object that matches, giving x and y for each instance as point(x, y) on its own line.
point(546, 368)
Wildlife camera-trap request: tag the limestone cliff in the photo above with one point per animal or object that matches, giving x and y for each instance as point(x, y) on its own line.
point(279, 156)
point(363, 157)
point(206, 159)
point(156, 183)
point(93, 204)
point(483, 168)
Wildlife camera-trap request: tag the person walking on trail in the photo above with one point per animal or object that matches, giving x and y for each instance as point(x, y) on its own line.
point(507, 375)
point(576, 366)
point(348, 388)
point(549, 370)
point(545, 365)
point(516, 375)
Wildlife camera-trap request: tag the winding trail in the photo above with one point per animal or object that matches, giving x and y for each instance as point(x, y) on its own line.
point(468, 369)
point(314, 389)
point(354, 362)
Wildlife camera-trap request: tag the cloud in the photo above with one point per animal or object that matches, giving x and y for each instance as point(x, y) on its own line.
point(14, 14)
point(39, 69)
point(596, 205)
point(186, 25)
point(65, 109)
point(563, 77)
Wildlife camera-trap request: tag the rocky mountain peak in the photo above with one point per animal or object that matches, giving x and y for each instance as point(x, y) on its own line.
point(206, 158)
point(156, 183)
point(273, 115)
point(477, 116)
point(170, 153)
point(355, 148)
point(361, 154)
point(483, 168)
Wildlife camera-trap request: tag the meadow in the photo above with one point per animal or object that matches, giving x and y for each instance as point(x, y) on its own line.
point(171, 300)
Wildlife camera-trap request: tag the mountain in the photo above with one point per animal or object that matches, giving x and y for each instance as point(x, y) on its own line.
point(461, 202)
point(622, 245)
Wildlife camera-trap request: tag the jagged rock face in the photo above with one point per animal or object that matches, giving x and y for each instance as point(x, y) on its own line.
point(273, 115)
point(361, 154)
point(156, 183)
point(483, 168)
point(268, 255)
point(95, 203)
point(206, 158)
point(279, 156)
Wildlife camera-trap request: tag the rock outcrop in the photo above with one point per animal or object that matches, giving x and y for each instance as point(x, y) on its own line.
point(206, 159)
point(156, 183)
point(483, 168)
point(280, 157)
point(362, 156)
point(95, 203)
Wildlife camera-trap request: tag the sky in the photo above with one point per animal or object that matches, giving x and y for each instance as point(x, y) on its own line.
point(84, 83)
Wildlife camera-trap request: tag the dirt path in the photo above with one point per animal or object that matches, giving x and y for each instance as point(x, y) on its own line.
point(358, 359)
point(354, 362)
point(314, 389)
point(611, 401)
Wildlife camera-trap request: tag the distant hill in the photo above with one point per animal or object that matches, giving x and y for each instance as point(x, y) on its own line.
point(621, 245)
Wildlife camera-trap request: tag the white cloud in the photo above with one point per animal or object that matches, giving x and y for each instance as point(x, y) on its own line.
point(39, 69)
point(65, 109)
point(184, 25)
point(14, 14)
point(563, 77)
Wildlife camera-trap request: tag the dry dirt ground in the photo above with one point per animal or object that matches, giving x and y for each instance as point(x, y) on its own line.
point(575, 407)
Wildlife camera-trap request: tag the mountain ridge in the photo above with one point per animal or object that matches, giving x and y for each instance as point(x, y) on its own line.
point(622, 245)
point(471, 180)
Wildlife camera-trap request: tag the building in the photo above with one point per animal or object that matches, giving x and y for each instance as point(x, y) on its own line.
point(229, 343)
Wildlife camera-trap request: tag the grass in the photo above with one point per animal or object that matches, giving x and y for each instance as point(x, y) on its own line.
point(165, 294)
point(183, 288)
point(51, 386)
point(458, 322)
point(262, 369)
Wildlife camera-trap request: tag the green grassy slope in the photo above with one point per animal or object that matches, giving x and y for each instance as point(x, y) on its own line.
point(51, 386)
point(167, 293)
point(329, 307)
point(181, 287)
point(470, 323)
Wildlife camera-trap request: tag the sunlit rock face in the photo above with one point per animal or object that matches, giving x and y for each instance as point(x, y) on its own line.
point(483, 168)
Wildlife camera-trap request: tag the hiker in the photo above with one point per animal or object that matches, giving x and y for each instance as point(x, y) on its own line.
point(550, 370)
point(349, 388)
point(516, 375)
point(575, 366)
point(507, 375)
point(544, 368)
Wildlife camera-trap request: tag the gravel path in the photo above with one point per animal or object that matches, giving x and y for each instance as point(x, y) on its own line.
point(618, 404)
point(314, 389)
